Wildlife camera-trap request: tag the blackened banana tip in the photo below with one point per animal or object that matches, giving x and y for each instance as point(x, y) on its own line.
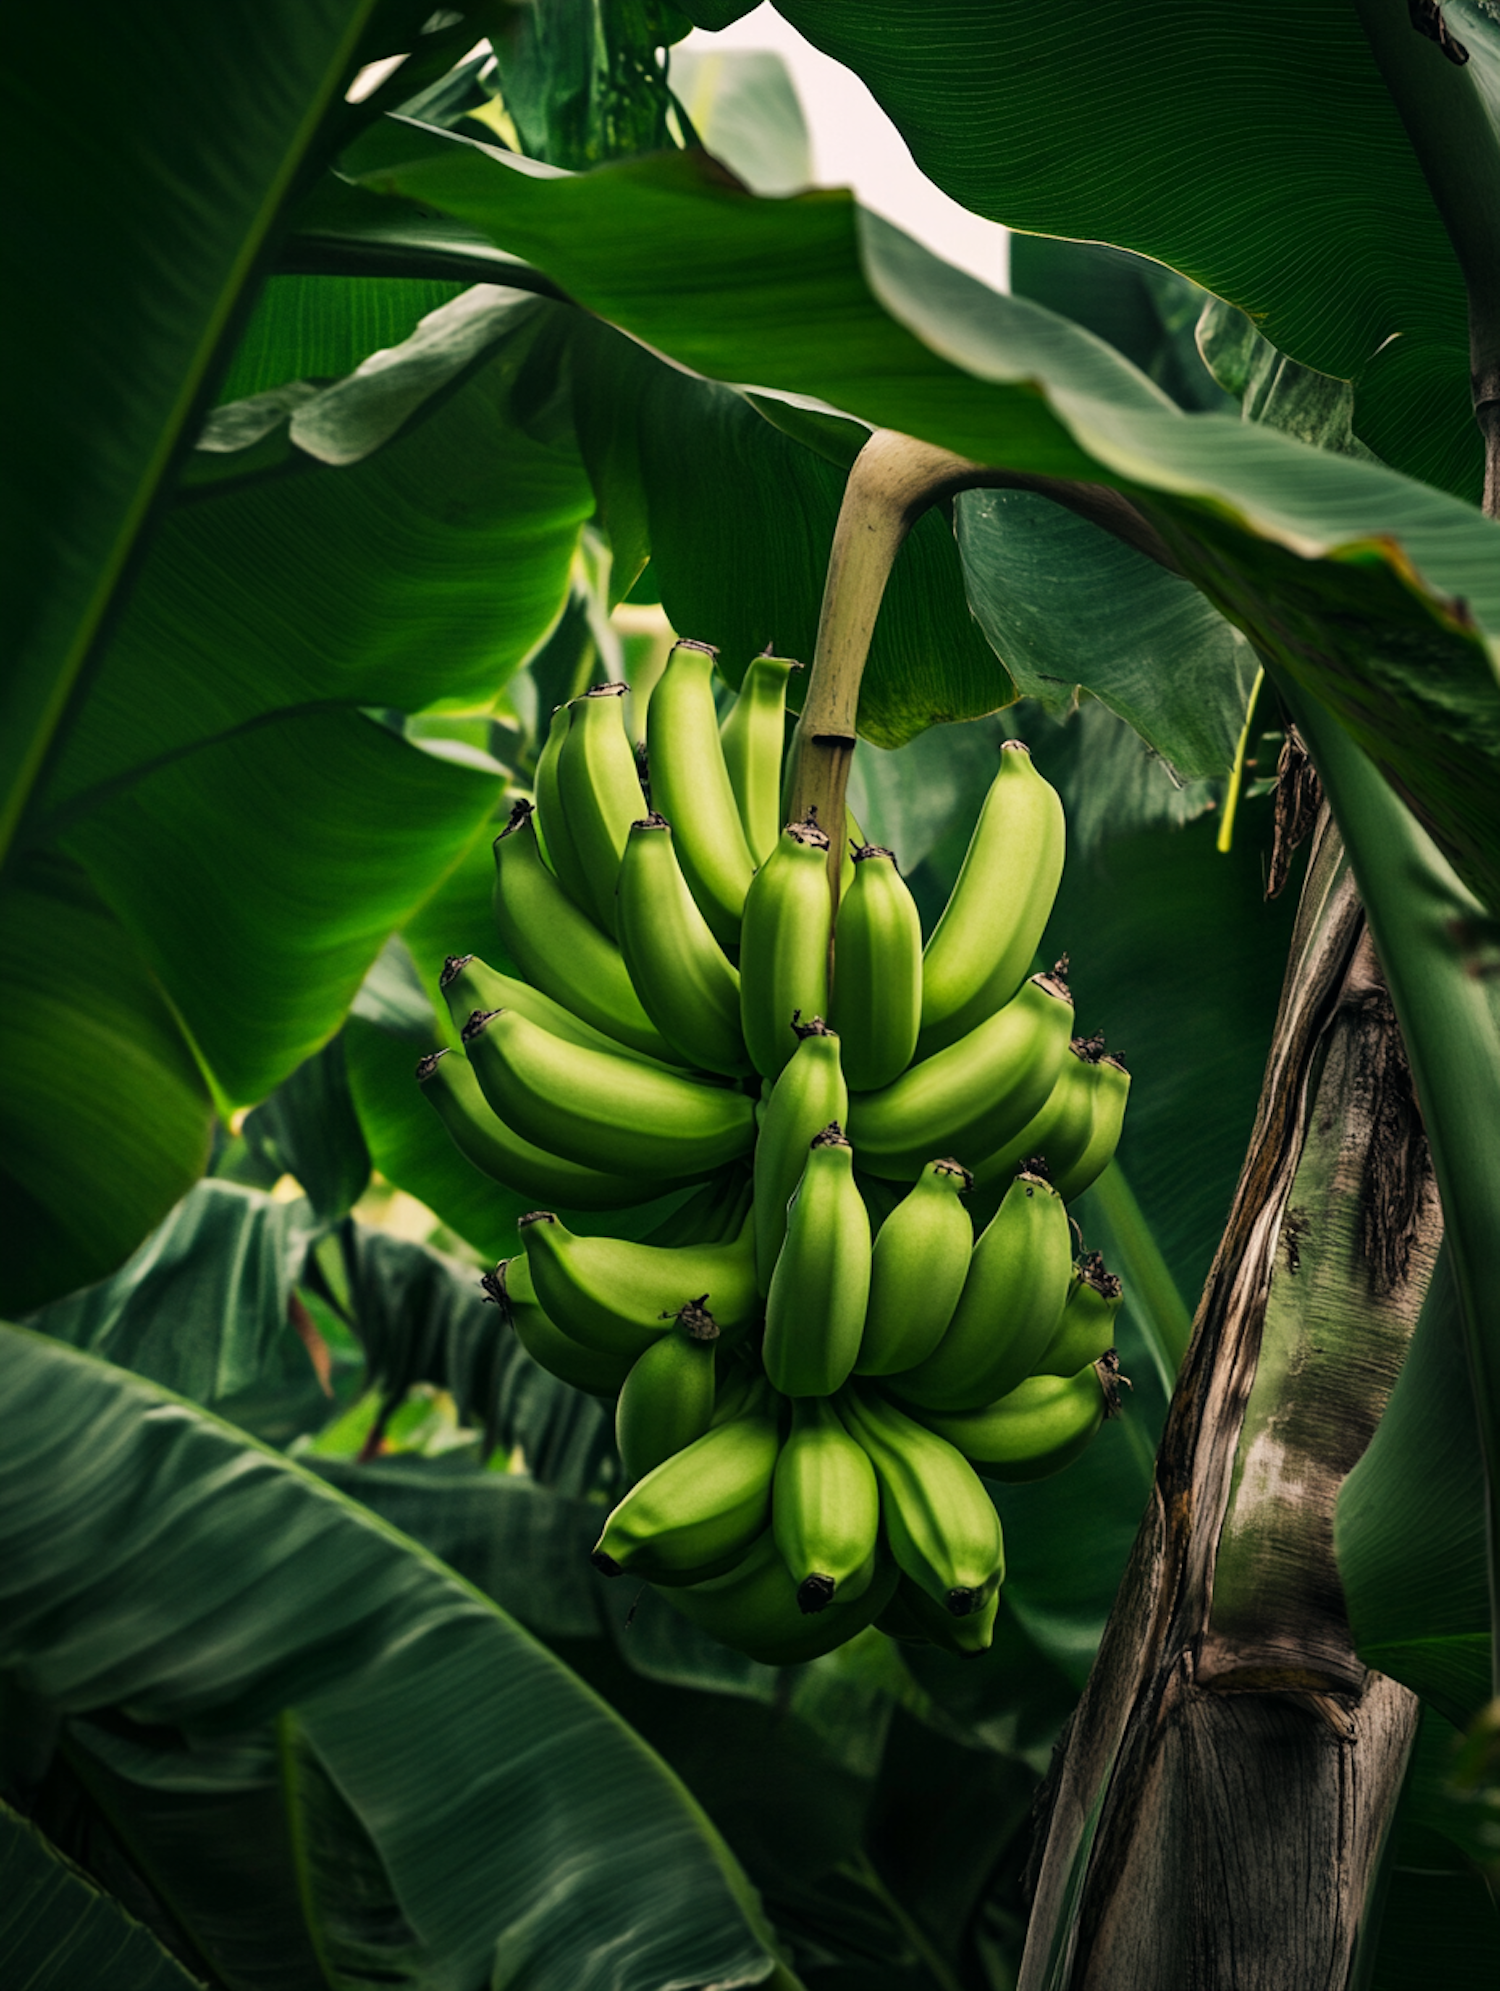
point(963, 1602)
point(815, 1594)
point(606, 1564)
point(453, 967)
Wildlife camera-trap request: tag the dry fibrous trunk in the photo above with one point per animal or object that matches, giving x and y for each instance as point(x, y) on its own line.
point(1217, 1816)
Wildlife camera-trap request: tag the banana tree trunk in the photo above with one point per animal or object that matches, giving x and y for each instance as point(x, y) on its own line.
point(1217, 1816)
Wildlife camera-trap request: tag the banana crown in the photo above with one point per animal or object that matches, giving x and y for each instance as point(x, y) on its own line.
point(864, 1145)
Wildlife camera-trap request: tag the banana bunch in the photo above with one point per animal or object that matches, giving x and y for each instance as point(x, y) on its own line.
point(862, 1301)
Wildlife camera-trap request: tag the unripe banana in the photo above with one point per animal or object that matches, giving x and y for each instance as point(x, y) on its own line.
point(877, 972)
point(754, 1608)
point(611, 1111)
point(784, 956)
point(1059, 1133)
point(976, 1093)
point(752, 737)
point(714, 1214)
point(917, 1619)
point(1111, 1092)
point(600, 792)
point(667, 1400)
point(560, 949)
point(982, 947)
point(690, 786)
point(608, 1292)
point(1038, 1428)
point(594, 1370)
point(1010, 1308)
point(1087, 1328)
point(825, 1507)
point(467, 984)
point(688, 987)
point(917, 1271)
point(695, 1515)
point(808, 1095)
point(553, 831)
point(815, 1311)
point(483, 1138)
point(940, 1522)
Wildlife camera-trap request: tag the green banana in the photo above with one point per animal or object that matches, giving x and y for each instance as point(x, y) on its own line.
point(467, 984)
point(713, 1214)
point(599, 789)
point(940, 1522)
point(752, 737)
point(610, 1111)
point(553, 832)
point(808, 1095)
point(688, 987)
point(690, 786)
point(1059, 1133)
point(594, 1370)
point(483, 1138)
point(695, 1515)
point(913, 1617)
point(825, 1507)
point(1087, 1328)
point(982, 947)
point(1038, 1427)
point(977, 1092)
point(1010, 1307)
point(667, 1400)
point(560, 949)
point(917, 1271)
point(877, 971)
point(1111, 1092)
point(754, 1608)
point(815, 1311)
point(784, 956)
point(608, 1292)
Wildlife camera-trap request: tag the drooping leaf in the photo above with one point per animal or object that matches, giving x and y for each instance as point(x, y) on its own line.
point(155, 1560)
point(57, 1930)
point(744, 108)
point(1368, 589)
point(1410, 1530)
point(105, 1118)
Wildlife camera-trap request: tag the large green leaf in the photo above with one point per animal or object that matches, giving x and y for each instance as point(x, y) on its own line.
point(105, 1117)
point(57, 1930)
point(1364, 586)
point(231, 97)
point(311, 327)
point(1410, 1526)
point(1302, 203)
point(156, 1561)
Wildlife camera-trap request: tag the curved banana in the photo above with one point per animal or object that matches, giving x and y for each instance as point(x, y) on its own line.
point(877, 971)
point(560, 949)
point(667, 1400)
point(982, 947)
point(913, 1617)
point(754, 1608)
point(483, 1138)
point(977, 1092)
point(599, 788)
point(608, 1292)
point(825, 1507)
point(695, 1515)
point(1087, 1328)
point(554, 832)
point(611, 1111)
point(753, 736)
point(467, 984)
point(808, 1095)
point(690, 786)
point(815, 1311)
point(1038, 1427)
point(1059, 1133)
point(784, 951)
point(917, 1271)
point(593, 1370)
point(1010, 1308)
point(939, 1520)
point(1111, 1092)
point(687, 985)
